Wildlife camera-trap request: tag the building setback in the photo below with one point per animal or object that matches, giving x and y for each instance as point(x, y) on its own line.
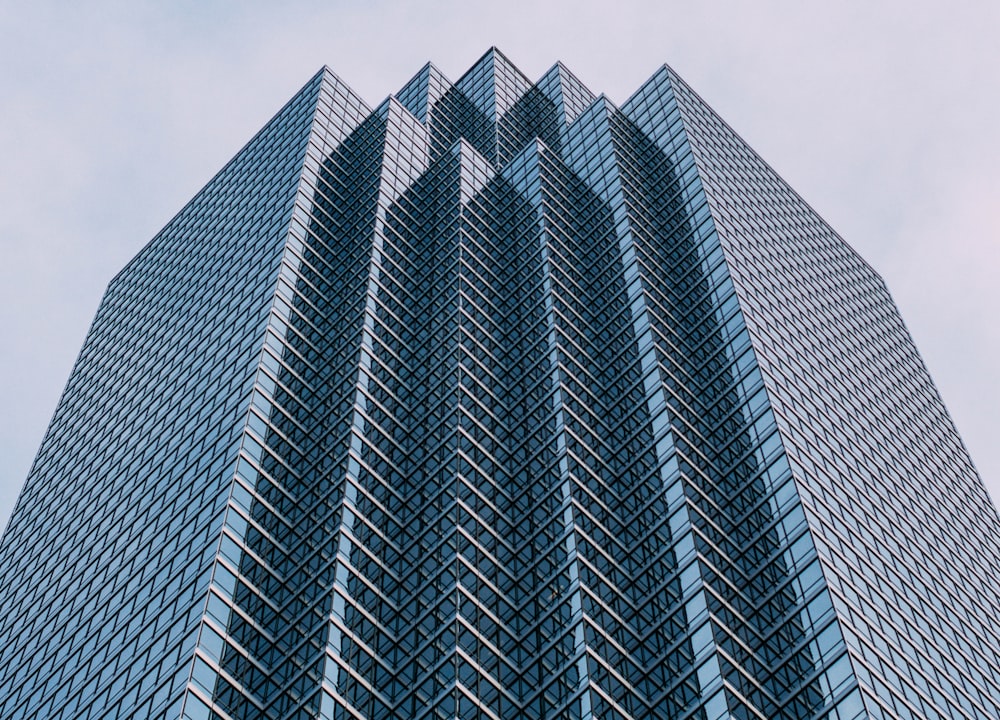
point(499, 401)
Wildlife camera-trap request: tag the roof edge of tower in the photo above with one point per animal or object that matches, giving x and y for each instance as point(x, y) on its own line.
point(316, 80)
point(675, 80)
point(327, 74)
point(495, 53)
point(564, 68)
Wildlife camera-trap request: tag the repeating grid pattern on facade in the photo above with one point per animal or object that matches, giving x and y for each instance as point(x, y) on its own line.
point(858, 468)
point(499, 401)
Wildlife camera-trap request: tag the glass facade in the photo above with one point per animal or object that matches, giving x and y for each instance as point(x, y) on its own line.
point(499, 401)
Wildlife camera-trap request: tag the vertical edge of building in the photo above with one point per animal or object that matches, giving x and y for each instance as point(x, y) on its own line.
point(906, 533)
point(777, 649)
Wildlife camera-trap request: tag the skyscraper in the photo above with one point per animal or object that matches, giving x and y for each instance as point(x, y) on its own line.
point(499, 401)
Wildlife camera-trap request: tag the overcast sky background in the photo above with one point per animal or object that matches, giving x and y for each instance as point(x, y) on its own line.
point(885, 116)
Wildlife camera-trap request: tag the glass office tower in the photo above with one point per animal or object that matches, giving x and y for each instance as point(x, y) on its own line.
point(499, 401)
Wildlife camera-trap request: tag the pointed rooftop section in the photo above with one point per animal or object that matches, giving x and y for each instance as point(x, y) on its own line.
point(493, 84)
point(339, 111)
point(563, 88)
point(424, 89)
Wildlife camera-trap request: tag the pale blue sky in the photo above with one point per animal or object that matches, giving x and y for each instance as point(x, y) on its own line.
point(884, 116)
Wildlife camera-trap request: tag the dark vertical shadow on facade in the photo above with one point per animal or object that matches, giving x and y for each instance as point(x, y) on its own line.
point(727, 441)
point(283, 612)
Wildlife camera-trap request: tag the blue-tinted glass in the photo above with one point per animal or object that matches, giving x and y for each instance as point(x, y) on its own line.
point(498, 400)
